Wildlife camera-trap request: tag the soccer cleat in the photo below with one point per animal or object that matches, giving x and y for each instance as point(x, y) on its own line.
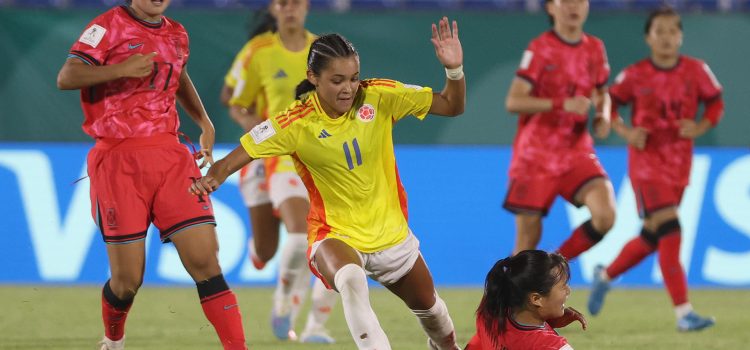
point(599, 289)
point(316, 337)
point(694, 322)
point(259, 264)
point(282, 326)
point(107, 344)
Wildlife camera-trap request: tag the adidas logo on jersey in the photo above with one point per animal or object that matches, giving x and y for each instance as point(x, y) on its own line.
point(280, 74)
point(323, 134)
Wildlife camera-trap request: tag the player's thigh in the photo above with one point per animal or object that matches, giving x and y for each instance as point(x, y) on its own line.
point(330, 255)
point(127, 262)
point(586, 175)
point(175, 209)
point(116, 192)
point(416, 288)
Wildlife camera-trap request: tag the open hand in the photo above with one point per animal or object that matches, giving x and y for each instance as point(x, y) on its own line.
point(447, 46)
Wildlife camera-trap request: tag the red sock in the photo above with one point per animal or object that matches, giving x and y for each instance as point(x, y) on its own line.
point(632, 253)
point(114, 313)
point(583, 238)
point(221, 309)
point(669, 261)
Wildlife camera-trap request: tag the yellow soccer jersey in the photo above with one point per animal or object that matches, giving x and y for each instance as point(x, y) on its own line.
point(268, 76)
point(347, 163)
point(235, 73)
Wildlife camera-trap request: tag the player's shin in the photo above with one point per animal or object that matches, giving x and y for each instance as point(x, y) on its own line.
point(221, 309)
point(114, 313)
point(351, 282)
point(437, 324)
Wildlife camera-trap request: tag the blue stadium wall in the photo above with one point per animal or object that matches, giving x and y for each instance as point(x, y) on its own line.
point(455, 197)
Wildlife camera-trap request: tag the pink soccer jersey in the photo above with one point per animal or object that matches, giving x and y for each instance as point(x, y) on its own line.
point(132, 107)
point(518, 337)
point(659, 99)
point(557, 69)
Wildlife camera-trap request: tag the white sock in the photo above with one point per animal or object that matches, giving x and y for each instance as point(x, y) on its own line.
point(682, 310)
point(292, 264)
point(351, 282)
point(323, 301)
point(438, 326)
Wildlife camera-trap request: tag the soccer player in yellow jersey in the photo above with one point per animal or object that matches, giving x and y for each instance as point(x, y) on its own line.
point(265, 75)
point(339, 134)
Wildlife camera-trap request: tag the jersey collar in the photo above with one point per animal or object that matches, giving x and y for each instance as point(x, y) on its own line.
point(666, 69)
point(566, 42)
point(147, 24)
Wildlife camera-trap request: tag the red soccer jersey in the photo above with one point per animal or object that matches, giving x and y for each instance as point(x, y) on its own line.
point(132, 107)
point(557, 68)
point(659, 99)
point(518, 337)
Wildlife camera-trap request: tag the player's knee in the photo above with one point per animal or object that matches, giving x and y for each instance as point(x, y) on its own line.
point(603, 220)
point(351, 279)
point(125, 285)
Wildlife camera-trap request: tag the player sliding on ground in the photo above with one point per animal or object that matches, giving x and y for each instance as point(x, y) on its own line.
point(524, 301)
point(339, 134)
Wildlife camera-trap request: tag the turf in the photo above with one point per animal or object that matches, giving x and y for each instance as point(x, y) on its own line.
point(171, 318)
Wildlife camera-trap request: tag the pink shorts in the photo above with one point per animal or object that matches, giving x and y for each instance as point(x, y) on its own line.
point(536, 194)
point(652, 196)
point(137, 181)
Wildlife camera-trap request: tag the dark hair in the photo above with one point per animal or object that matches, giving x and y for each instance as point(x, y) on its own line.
point(663, 11)
point(262, 22)
point(322, 51)
point(510, 281)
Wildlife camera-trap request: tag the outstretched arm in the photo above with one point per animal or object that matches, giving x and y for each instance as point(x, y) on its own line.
point(452, 100)
point(219, 172)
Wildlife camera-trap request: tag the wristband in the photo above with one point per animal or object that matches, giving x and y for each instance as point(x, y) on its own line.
point(455, 73)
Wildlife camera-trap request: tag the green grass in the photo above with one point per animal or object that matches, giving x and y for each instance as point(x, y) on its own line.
point(171, 318)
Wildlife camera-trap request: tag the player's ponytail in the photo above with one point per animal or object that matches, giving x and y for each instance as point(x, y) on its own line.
point(510, 281)
point(262, 22)
point(322, 51)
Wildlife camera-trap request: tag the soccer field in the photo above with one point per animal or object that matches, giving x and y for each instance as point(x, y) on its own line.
point(171, 318)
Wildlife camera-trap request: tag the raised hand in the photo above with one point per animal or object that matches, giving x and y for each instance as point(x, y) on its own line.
point(137, 66)
point(447, 46)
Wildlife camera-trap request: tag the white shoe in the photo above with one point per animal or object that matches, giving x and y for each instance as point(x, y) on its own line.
point(107, 344)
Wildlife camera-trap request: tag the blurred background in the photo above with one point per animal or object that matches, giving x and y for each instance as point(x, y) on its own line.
point(455, 170)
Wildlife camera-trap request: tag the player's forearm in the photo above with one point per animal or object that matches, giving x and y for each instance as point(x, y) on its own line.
point(525, 104)
point(618, 125)
point(188, 98)
point(452, 100)
point(230, 164)
point(77, 75)
point(603, 104)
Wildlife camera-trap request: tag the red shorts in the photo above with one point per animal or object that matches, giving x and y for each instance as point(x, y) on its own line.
point(652, 196)
point(141, 180)
point(536, 194)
